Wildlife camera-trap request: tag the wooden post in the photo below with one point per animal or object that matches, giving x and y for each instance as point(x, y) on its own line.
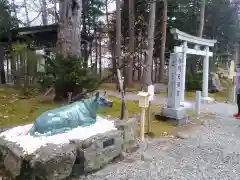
point(149, 118)
point(143, 104)
point(150, 98)
point(142, 131)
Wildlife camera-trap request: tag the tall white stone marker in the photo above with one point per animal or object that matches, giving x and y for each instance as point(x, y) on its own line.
point(174, 110)
point(174, 82)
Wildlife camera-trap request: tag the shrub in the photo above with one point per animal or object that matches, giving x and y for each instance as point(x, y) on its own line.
point(193, 82)
point(71, 74)
point(29, 92)
point(46, 81)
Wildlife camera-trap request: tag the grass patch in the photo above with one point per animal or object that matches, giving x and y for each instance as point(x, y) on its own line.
point(17, 111)
point(158, 128)
point(116, 109)
point(112, 87)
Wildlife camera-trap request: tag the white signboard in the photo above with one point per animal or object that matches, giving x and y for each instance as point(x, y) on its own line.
point(174, 82)
point(151, 92)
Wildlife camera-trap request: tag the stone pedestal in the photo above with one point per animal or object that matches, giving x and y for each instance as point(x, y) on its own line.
point(178, 114)
point(187, 105)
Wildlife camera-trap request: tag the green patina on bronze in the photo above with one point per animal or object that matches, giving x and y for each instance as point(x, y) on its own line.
point(82, 113)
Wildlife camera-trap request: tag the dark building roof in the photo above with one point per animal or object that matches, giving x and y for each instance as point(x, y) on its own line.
point(39, 35)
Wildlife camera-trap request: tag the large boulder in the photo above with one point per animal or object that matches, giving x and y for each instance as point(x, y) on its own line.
point(11, 157)
point(214, 83)
point(51, 162)
point(54, 162)
point(97, 151)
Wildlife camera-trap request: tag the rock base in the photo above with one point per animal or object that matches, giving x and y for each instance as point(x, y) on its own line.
point(57, 162)
point(207, 100)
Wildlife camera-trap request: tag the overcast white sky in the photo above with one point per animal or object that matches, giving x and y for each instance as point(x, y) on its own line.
point(34, 11)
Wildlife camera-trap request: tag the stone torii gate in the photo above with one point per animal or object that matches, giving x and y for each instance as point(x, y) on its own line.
point(198, 43)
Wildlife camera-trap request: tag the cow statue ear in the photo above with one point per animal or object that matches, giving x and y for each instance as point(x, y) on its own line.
point(97, 95)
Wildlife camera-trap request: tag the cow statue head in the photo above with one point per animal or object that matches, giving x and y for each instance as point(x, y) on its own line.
point(102, 100)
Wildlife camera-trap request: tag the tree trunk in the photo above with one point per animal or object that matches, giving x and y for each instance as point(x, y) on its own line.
point(118, 54)
point(26, 12)
point(194, 63)
point(129, 74)
point(84, 27)
point(163, 47)
point(2, 71)
point(69, 36)
point(100, 56)
point(149, 61)
point(118, 32)
point(76, 38)
point(202, 13)
point(44, 12)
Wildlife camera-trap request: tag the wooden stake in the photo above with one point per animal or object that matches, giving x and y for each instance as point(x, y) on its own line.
point(142, 131)
point(149, 117)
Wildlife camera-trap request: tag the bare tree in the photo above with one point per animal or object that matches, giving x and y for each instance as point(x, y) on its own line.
point(2, 71)
point(26, 12)
point(14, 8)
point(44, 12)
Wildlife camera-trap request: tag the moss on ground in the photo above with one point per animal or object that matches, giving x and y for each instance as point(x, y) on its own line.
point(15, 110)
point(191, 95)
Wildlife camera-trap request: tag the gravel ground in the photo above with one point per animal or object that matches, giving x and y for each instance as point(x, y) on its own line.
point(211, 153)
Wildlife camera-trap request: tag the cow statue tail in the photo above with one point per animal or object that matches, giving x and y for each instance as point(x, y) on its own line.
point(32, 130)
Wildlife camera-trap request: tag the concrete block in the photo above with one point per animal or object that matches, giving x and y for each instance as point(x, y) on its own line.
point(130, 132)
point(99, 150)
